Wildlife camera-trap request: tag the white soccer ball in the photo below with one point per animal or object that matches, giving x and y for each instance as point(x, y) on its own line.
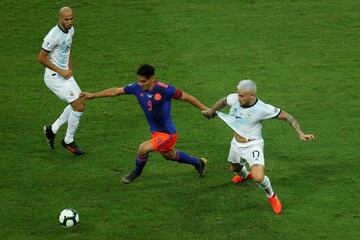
point(68, 217)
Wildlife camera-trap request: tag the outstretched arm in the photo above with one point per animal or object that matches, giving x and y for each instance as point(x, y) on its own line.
point(210, 113)
point(193, 101)
point(111, 92)
point(292, 122)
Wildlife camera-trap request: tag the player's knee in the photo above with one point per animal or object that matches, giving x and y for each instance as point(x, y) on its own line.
point(80, 108)
point(143, 150)
point(257, 177)
point(170, 157)
point(167, 157)
point(78, 105)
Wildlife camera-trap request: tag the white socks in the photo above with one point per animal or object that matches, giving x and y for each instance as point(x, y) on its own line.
point(73, 123)
point(70, 116)
point(62, 119)
point(266, 185)
point(244, 172)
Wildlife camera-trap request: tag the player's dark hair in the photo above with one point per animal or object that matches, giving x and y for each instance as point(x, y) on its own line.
point(146, 70)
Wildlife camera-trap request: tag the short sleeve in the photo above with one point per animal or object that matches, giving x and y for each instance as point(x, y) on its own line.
point(171, 91)
point(269, 111)
point(231, 99)
point(178, 94)
point(174, 92)
point(49, 42)
point(130, 89)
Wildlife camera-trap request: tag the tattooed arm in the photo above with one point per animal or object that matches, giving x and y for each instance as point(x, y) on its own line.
point(210, 113)
point(292, 122)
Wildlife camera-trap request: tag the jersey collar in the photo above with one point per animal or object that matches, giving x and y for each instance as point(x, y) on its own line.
point(153, 86)
point(251, 104)
point(63, 30)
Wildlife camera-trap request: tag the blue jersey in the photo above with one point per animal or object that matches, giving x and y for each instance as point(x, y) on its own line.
point(156, 104)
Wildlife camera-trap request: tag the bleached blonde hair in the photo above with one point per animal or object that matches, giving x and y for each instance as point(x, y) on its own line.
point(247, 85)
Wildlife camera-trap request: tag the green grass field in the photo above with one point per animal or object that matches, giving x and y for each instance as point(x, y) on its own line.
point(304, 57)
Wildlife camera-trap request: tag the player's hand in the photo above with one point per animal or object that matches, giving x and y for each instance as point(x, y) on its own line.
point(86, 95)
point(208, 113)
point(69, 75)
point(205, 113)
point(306, 137)
point(65, 73)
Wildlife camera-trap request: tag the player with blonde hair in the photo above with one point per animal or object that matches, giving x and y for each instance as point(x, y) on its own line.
point(246, 115)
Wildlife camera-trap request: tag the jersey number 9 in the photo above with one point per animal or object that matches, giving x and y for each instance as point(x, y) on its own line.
point(149, 103)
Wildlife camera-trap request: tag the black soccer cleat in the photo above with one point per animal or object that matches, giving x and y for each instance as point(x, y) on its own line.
point(72, 147)
point(201, 167)
point(129, 178)
point(50, 136)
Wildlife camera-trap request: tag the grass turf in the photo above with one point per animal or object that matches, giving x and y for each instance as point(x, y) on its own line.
point(304, 57)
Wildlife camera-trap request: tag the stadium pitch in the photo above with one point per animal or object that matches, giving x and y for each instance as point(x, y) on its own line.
point(304, 57)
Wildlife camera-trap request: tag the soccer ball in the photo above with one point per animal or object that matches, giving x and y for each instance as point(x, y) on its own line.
point(68, 217)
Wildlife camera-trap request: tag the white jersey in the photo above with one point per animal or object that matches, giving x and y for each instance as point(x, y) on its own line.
point(247, 122)
point(58, 44)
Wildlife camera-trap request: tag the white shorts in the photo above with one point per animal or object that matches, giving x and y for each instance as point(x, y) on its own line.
point(251, 152)
point(66, 89)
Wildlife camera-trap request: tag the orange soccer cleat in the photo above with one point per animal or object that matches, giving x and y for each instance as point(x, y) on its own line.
point(275, 204)
point(238, 178)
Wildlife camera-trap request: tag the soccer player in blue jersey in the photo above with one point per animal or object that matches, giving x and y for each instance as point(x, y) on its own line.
point(154, 98)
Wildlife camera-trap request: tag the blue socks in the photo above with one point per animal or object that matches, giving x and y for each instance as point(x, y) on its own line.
point(140, 163)
point(183, 157)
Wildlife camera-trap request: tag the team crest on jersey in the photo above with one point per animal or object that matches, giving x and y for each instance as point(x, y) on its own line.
point(157, 96)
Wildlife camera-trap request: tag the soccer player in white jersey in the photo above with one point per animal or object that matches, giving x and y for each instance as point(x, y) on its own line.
point(246, 115)
point(55, 55)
